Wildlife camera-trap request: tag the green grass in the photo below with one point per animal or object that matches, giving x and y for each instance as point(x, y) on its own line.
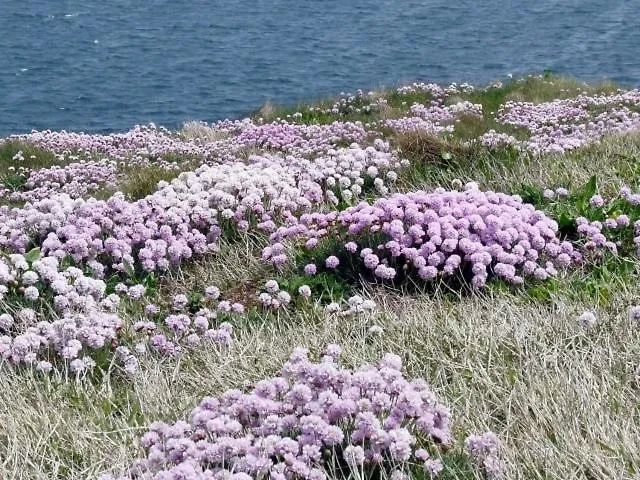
point(139, 182)
point(34, 157)
point(535, 89)
point(13, 173)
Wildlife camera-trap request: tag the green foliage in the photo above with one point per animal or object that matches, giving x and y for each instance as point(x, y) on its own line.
point(405, 100)
point(324, 286)
point(599, 279)
point(139, 182)
point(14, 181)
point(32, 255)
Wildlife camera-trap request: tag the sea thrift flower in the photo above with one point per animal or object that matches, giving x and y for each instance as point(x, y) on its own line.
point(29, 277)
point(284, 297)
point(304, 291)
point(271, 286)
point(151, 309)
point(31, 293)
point(587, 319)
point(332, 262)
point(351, 247)
point(596, 201)
point(224, 306)
point(310, 269)
point(136, 292)
point(179, 302)
point(211, 292)
point(6, 321)
point(237, 307)
point(295, 423)
point(484, 449)
point(44, 366)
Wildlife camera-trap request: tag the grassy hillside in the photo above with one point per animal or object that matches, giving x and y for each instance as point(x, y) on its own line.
point(539, 348)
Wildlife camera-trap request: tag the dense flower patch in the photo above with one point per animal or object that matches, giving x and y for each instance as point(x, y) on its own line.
point(562, 125)
point(145, 144)
point(58, 315)
point(75, 179)
point(186, 217)
point(441, 233)
point(314, 421)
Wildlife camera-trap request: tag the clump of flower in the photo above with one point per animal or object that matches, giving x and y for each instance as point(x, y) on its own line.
point(305, 291)
point(355, 305)
point(587, 319)
point(438, 234)
point(332, 262)
point(271, 286)
point(274, 298)
point(484, 449)
point(305, 423)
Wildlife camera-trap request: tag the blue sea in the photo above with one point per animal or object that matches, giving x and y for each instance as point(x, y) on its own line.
point(99, 66)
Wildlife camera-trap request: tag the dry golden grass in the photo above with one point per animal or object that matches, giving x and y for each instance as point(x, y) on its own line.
point(563, 399)
point(197, 130)
point(267, 111)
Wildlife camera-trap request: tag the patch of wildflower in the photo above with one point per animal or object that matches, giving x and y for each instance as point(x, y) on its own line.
point(313, 419)
point(566, 124)
point(484, 449)
point(75, 179)
point(439, 234)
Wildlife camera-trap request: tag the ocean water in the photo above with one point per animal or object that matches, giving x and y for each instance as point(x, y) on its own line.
point(99, 66)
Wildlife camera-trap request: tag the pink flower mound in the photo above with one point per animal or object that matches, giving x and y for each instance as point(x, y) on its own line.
point(314, 418)
point(76, 180)
point(483, 233)
point(435, 118)
point(295, 138)
point(565, 124)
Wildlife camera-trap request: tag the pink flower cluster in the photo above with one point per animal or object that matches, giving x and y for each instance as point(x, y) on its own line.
point(75, 179)
point(186, 217)
point(482, 234)
point(418, 124)
point(84, 319)
point(313, 421)
point(150, 144)
point(616, 230)
point(135, 146)
point(355, 306)
point(437, 118)
point(275, 298)
point(565, 124)
point(301, 139)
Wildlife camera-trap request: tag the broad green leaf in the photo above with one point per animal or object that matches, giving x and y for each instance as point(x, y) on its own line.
point(32, 255)
point(591, 187)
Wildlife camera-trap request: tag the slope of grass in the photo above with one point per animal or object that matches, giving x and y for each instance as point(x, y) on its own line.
point(563, 398)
